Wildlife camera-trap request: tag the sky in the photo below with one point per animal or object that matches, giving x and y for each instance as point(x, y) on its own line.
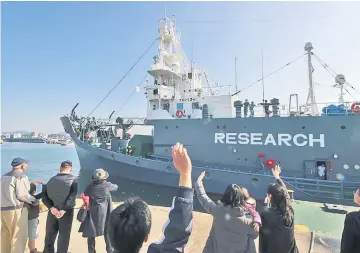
point(55, 54)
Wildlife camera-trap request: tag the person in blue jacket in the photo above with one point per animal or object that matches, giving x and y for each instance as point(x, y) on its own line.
point(130, 223)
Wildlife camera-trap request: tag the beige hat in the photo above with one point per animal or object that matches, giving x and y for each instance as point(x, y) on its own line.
point(100, 174)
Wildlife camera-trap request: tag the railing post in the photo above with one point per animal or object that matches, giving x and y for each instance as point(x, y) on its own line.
point(317, 186)
point(342, 189)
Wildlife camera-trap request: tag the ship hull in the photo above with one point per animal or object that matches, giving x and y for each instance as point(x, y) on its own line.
point(160, 172)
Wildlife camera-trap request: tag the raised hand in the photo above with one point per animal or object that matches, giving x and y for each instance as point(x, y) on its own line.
point(201, 177)
point(276, 171)
point(181, 159)
point(182, 163)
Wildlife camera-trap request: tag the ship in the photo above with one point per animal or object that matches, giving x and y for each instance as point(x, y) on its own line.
point(232, 139)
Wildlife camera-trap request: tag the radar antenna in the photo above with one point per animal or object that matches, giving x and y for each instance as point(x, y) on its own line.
point(340, 83)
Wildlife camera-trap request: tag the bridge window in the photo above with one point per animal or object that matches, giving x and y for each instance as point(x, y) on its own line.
point(343, 127)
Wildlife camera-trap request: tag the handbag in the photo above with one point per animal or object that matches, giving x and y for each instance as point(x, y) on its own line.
point(81, 215)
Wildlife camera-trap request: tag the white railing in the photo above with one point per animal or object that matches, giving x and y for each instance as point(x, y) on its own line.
point(213, 91)
point(324, 109)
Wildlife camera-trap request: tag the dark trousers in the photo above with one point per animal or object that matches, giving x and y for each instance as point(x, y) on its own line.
point(61, 226)
point(91, 244)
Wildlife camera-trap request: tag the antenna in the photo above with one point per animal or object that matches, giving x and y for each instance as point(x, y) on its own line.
point(262, 73)
point(340, 81)
point(310, 101)
point(165, 11)
point(236, 86)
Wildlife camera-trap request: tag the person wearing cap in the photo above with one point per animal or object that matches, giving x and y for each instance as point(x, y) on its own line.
point(99, 209)
point(59, 197)
point(15, 198)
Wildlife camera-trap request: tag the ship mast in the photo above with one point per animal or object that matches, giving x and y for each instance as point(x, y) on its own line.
point(310, 101)
point(236, 86)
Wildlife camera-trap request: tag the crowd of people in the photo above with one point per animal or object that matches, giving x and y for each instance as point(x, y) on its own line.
point(236, 222)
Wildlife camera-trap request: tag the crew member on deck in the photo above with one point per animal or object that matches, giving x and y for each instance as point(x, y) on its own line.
point(321, 171)
point(252, 106)
point(246, 108)
point(266, 106)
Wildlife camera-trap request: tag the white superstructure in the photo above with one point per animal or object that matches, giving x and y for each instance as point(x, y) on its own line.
point(179, 90)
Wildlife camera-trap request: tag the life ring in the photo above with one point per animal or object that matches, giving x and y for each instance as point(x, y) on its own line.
point(355, 107)
point(179, 114)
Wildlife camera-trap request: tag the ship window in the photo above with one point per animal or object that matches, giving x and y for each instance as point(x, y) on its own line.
point(245, 159)
point(166, 127)
point(180, 106)
point(224, 126)
point(343, 127)
point(238, 158)
point(177, 126)
point(303, 127)
point(195, 105)
point(155, 91)
point(218, 127)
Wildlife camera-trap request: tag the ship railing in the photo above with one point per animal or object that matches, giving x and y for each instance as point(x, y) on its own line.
point(324, 188)
point(212, 91)
point(324, 109)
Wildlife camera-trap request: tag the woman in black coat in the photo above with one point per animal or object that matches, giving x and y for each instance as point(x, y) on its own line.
point(277, 231)
point(100, 207)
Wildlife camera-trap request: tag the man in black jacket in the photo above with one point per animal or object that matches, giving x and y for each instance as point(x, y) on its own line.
point(350, 241)
point(130, 223)
point(59, 197)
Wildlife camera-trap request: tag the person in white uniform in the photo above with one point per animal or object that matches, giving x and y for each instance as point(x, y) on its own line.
point(321, 171)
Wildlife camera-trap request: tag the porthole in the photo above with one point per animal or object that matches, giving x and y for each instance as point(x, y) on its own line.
point(234, 150)
point(137, 162)
point(238, 158)
point(168, 168)
point(224, 126)
point(303, 127)
point(346, 166)
point(244, 126)
point(166, 127)
point(357, 166)
point(177, 126)
point(207, 174)
point(218, 127)
point(343, 127)
point(255, 181)
point(245, 159)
